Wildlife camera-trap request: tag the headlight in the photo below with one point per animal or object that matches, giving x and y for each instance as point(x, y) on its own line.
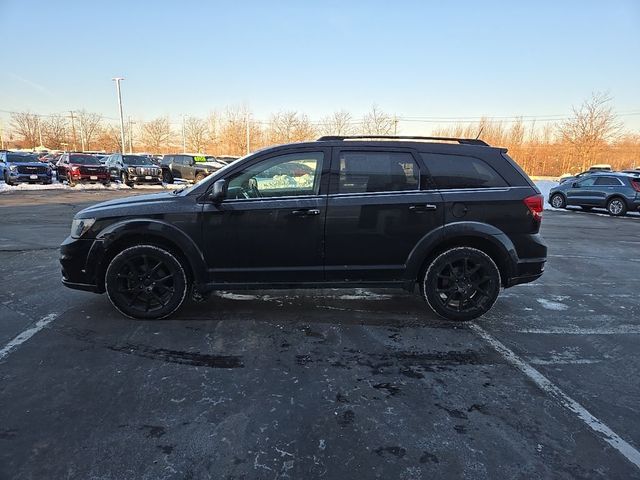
point(13, 168)
point(80, 226)
point(131, 169)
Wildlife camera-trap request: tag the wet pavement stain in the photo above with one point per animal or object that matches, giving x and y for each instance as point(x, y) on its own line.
point(395, 451)
point(181, 357)
point(428, 457)
point(153, 431)
point(346, 418)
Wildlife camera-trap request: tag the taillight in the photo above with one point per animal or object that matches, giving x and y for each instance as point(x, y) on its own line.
point(636, 185)
point(535, 206)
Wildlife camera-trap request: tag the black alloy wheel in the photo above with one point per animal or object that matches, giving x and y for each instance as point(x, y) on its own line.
point(146, 282)
point(461, 284)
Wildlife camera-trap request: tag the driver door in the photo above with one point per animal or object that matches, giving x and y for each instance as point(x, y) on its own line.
point(270, 226)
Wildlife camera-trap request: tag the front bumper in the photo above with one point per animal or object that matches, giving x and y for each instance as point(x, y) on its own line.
point(145, 179)
point(82, 178)
point(16, 177)
point(74, 260)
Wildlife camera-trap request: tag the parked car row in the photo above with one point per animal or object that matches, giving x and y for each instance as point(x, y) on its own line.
point(618, 192)
point(84, 167)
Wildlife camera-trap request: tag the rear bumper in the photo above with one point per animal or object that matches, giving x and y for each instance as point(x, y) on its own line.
point(526, 271)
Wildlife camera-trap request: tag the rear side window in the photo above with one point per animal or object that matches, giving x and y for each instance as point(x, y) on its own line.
point(608, 181)
point(377, 172)
point(459, 171)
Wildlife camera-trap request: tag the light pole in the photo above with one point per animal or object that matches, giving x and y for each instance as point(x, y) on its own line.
point(118, 80)
point(184, 137)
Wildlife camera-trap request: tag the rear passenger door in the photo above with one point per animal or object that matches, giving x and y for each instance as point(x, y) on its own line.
point(604, 188)
point(376, 213)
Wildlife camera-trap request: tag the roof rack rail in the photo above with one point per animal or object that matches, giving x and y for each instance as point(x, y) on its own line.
point(465, 141)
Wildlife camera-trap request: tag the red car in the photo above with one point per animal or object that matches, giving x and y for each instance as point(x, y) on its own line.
point(81, 167)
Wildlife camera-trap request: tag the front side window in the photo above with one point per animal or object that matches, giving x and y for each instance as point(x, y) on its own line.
point(459, 171)
point(362, 172)
point(589, 182)
point(288, 175)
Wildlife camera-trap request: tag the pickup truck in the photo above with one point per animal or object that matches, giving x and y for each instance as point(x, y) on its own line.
point(192, 168)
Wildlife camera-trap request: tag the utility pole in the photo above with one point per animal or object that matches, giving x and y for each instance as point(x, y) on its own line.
point(73, 128)
point(130, 137)
point(1, 136)
point(395, 125)
point(248, 133)
point(118, 80)
point(40, 130)
point(184, 137)
point(82, 143)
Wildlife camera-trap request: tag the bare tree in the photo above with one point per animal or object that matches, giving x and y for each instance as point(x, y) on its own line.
point(376, 122)
point(156, 134)
point(338, 123)
point(286, 127)
point(26, 125)
point(55, 130)
point(593, 125)
point(233, 132)
point(196, 132)
point(88, 126)
point(109, 139)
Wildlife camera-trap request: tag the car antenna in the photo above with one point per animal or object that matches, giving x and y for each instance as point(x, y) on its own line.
point(480, 132)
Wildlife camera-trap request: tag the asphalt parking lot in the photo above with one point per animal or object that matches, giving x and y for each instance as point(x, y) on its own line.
point(330, 384)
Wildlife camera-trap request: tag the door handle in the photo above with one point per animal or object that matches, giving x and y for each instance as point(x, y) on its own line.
point(305, 212)
point(422, 208)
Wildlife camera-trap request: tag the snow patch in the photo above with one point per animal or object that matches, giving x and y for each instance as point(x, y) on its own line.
point(549, 305)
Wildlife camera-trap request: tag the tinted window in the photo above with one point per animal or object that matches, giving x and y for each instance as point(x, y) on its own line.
point(21, 157)
point(136, 160)
point(608, 181)
point(285, 175)
point(458, 171)
point(84, 159)
point(377, 172)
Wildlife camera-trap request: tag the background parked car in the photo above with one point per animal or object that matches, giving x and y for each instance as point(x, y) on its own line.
point(81, 167)
point(21, 167)
point(187, 167)
point(603, 167)
point(133, 169)
point(617, 192)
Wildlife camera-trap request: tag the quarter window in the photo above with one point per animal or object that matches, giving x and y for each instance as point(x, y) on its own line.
point(608, 181)
point(288, 175)
point(377, 172)
point(458, 171)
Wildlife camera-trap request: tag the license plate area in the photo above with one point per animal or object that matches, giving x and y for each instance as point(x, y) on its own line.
point(93, 177)
point(33, 177)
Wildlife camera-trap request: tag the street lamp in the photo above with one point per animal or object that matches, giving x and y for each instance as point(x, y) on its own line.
point(118, 80)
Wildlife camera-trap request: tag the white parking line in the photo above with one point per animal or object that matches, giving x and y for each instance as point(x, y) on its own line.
point(608, 435)
point(27, 334)
point(621, 330)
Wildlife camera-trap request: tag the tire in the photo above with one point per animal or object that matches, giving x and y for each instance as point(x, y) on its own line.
point(461, 284)
point(167, 177)
point(558, 201)
point(200, 176)
point(161, 291)
point(106, 184)
point(616, 207)
point(124, 178)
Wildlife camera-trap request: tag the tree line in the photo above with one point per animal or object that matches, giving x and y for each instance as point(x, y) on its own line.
point(591, 134)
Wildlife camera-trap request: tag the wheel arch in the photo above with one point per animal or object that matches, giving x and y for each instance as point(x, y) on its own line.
point(484, 237)
point(121, 235)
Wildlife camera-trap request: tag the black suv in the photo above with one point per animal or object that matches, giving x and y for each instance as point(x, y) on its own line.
point(133, 169)
point(457, 219)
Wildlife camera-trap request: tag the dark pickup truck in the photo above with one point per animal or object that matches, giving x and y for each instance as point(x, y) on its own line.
point(192, 168)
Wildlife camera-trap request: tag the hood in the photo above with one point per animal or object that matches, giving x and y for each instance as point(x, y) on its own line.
point(139, 205)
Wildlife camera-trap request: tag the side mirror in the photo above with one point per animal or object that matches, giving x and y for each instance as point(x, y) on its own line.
point(575, 185)
point(219, 191)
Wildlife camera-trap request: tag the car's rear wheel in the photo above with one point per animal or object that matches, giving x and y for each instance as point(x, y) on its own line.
point(146, 282)
point(558, 201)
point(461, 284)
point(616, 206)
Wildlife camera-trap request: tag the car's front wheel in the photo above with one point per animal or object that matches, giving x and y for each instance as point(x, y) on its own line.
point(461, 284)
point(558, 201)
point(146, 282)
point(616, 207)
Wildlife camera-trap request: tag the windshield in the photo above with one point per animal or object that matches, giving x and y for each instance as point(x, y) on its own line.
point(137, 160)
point(21, 158)
point(84, 160)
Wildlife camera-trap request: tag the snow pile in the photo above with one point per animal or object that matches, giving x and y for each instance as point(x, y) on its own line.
point(545, 186)
point(4, 188)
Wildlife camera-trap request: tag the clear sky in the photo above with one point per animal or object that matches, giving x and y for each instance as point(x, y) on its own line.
point(435, 59)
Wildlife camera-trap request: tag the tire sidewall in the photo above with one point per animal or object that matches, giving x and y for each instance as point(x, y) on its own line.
point(430, 295)
point(563, 202)
point(175, 303)
point(622, 212)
